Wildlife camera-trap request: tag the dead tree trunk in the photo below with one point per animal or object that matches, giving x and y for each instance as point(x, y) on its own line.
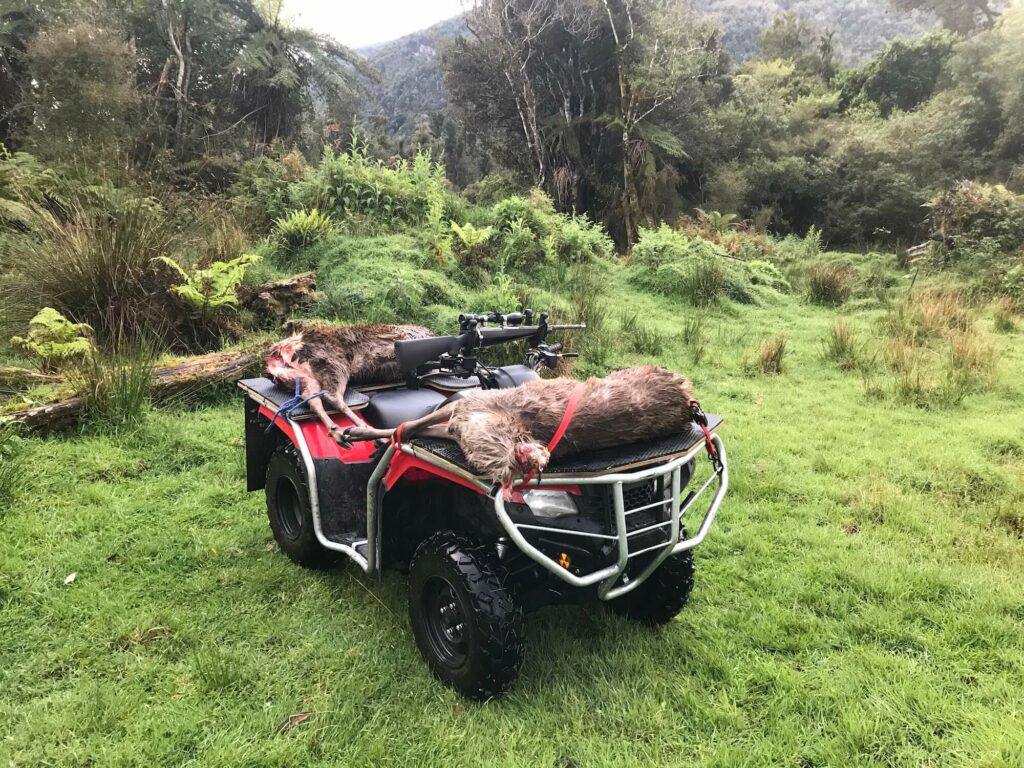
point(173, 379)
point(277, 301)
point(12, 379)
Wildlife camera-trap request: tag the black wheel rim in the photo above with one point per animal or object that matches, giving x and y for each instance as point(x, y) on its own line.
point(445, 623)
point(289, 509)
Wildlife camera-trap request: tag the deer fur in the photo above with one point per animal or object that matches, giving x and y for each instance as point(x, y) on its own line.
point(504, 433)
point(327, 357)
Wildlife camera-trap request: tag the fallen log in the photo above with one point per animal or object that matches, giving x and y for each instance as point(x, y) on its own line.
point(23, 378)
point(278, 300)
point(169, 380)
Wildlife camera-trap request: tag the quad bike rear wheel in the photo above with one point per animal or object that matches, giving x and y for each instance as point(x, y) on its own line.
point(466, 620)
point(665, 593)
point(290, 510)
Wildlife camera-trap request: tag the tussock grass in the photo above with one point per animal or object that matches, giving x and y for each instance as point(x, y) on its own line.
point(116, 383)
point(928, 314)
point(1003, 315)
point(703, 282)
point(692, 334)
point(640, 337)
point(841, 346)
point(11, 464)
point(769, 356)
point(830, 284)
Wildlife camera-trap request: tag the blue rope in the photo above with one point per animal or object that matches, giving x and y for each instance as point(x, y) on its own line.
point(291, 405)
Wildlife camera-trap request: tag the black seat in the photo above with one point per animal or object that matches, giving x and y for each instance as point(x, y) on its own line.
point(392, 407)
point(509, 376)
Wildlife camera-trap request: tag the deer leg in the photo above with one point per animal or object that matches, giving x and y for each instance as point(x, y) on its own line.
point(409, 429)
point(316, 405)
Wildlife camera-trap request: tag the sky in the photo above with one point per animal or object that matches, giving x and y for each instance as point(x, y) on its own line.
point(356, 23)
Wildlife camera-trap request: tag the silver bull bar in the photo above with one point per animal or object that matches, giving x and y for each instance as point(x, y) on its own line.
point(606, 578)
point(612, 580)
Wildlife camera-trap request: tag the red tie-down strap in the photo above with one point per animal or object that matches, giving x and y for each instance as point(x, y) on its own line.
point(570, 411)
point(563, 425)
point(701, 420)
point(396, 436)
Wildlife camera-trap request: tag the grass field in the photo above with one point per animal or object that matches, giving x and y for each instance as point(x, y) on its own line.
point(859, 602)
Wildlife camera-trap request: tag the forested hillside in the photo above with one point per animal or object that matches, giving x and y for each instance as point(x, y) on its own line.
point(411, 86)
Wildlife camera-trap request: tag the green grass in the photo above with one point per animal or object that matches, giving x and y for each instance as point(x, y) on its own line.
point(859, 602)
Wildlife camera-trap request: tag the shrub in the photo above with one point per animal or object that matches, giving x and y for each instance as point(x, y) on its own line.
point(970, 211)
point(524, 212)
point(472, 243)
point(761, 272)
point(736, 238)
point(352, 185)
point(300, 229)
point(366, 288)
point(499, 296)
point(664, 246)
point(577, 241)
point(830, 284)
point(519, 247)
point(54, 341)
point(794, 249)
point(260, 193)
point(493, 187)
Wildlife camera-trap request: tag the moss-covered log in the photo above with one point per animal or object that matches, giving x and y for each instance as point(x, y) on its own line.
point(171, 379)
point(22, 378)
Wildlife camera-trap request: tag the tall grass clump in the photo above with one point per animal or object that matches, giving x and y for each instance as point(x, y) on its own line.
point(830, 284)
point(116, 382)
point(769, 356)
point(96, 268)
point(703, 282)
point(693, 335)
point(586, 299)
point(639, 336)
point(842, 346)
point(11, 463)
point(1003, 315)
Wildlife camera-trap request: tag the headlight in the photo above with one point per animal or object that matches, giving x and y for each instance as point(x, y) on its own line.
point(550, 503)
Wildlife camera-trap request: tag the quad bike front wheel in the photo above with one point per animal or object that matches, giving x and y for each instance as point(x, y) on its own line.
point(662, 596)
point(465, 618)
point(290, 510)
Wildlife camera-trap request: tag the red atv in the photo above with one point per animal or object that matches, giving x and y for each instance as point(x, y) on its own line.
point(609, 525)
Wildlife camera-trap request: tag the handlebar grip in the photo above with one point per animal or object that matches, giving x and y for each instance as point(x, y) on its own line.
point(514, 318)
point(555, 348)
